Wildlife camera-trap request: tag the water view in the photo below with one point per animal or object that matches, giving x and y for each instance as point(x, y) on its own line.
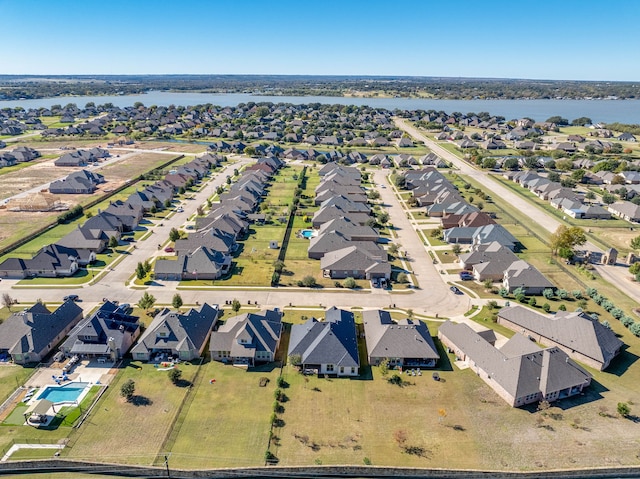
point(606, 111)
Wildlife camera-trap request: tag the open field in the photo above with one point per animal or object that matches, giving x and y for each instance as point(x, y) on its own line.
point(16, 225)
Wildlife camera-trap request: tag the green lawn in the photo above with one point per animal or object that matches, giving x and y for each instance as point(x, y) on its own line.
point(148, 417)
point(29, 454)
point(12, 377)
point(227, 423)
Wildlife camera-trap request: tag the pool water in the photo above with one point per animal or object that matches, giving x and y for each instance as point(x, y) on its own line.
point(67, 393)
point(307, 233)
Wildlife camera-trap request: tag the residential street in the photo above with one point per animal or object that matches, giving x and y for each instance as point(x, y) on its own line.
point(432, 298)
point(615, 275)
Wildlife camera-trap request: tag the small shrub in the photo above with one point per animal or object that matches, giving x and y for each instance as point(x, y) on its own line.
point(623, 409)
point(546, 307)
point(562, 307)
point(366, 461)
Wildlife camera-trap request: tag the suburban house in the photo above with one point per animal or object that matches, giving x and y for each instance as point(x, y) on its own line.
point(79, 182)
point(326, 347)
point(521, 274)
point(335, 240)
point(488, 261)
point(405, 343)
point(105, 335)
point(181, 335)
point(51, 261)
point(626, 210)
point(203, 263)
point(579, 335)
point(247, 339)
point(520, 372)
point(355, 263)
point(28, 336)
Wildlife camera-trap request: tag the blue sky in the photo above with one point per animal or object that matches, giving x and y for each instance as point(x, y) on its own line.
point(545, 39)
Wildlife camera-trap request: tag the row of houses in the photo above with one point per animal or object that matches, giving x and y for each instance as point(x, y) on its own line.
point(519, 371)
point(80, 246)
point(21, 154)
point(344, 240)
point(206, 253)
point(562, 198)
point(491, 255)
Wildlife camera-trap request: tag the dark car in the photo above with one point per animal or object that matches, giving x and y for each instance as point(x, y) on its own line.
point(71, 297)
point(455, 290)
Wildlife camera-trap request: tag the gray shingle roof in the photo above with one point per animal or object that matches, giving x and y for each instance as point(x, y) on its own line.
point(178, 331)
point(257, 331)
point(574, 330)
point(520, 367)
point(332, 341)
point(404, 339)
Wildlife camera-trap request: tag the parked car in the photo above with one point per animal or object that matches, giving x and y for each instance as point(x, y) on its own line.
point(455, 290)
point(179, 210)
point(169, 249)
point(71, 297)
point(466, 275)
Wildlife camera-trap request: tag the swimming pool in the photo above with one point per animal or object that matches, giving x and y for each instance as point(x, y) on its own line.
point(67, 393)
point(307, 233)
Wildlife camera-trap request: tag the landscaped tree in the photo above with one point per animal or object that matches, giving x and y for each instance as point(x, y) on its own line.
point(128, 389)
point(635, 242)
point(309, 281)
point(349, 283)
point(623, 409)
point(567, 238)
point(608, 198)
point(174, 235)
point(177, 302)
point(7, 301)
point(547, 293)
point(113, 242)
point(174, 375)
point(147, 301)
point(402, 278)
point(140, 271)
point(278, 266)
point(456, 249)
point(235, 305)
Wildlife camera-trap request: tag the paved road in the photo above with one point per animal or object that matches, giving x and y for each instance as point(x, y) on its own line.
point(614, 275)
point(429, 279)
point(433, 297)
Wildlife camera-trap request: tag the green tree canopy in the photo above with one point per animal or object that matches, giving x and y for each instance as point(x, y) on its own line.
point(567, 237)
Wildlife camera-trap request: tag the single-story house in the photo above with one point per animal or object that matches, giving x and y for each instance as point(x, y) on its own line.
point(576, 333)
point(327, 347)
point(403, 343)
point(28, 336)
point(520, 372)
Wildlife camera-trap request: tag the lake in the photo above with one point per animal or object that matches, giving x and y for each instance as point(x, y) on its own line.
point(607, 111)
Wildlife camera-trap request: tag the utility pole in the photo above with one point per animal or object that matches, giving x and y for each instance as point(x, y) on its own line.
point(166, 463)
